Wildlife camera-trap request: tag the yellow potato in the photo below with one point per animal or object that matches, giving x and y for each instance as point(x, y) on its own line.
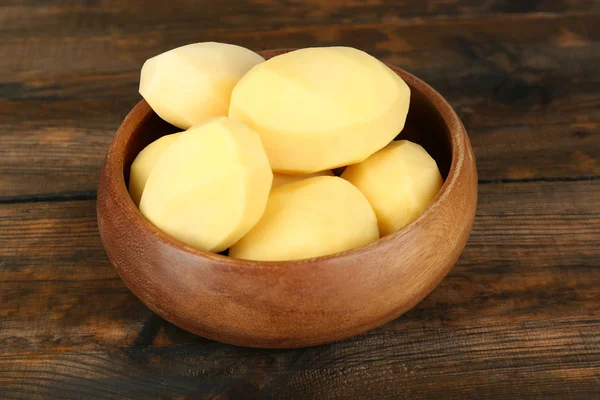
point(191, 83)
point(321, 108)
point(210, 186)
point(143, 164)
point(399, 181)
point(309, 218)
point(282, 179)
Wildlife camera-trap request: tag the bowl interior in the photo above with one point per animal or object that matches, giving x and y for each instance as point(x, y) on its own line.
point(150, 129)
point(425, 126)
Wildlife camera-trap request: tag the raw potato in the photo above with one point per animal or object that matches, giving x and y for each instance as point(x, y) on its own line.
point(143, 164)
point(282, 179)
point(210, 186)
point(399, 181)
point(191, 83)
point(321, 108)
point(310, 218)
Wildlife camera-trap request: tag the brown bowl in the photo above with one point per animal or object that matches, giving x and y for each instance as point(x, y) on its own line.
point(293, 303)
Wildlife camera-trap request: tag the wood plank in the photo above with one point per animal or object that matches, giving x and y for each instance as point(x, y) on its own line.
point(517, 317)
point(42, 55)
point(57, 17)
point(529, 98)
point(495, 363)
point(55, 147)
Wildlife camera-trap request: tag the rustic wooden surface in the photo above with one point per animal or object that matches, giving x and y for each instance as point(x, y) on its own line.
point(518, 317)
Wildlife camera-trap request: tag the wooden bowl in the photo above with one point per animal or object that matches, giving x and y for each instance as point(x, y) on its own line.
point(293, 303)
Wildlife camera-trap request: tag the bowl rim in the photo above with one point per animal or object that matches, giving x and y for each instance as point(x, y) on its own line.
point(114, 167)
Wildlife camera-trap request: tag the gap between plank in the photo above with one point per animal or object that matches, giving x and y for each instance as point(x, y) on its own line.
point(49, 197)
point(540, 179)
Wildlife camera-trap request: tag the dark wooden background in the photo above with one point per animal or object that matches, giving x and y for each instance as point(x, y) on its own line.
point(519, 315)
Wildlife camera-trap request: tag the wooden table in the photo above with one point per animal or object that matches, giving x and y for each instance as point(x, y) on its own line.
point(519, 315)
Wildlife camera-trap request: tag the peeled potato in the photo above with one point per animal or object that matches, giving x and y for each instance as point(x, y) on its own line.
point(143, 164)
point(309, 218)
point(321, 108)
point(210, 186)
point(191, 83)
point(399, 181)
point(283, 179)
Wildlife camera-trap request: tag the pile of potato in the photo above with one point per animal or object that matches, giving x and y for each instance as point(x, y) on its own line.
point(251, 170)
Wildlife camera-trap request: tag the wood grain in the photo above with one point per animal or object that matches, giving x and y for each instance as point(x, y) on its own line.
point(518, 317)
point(525, 86)
point(520, 308)
point(116, 17)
